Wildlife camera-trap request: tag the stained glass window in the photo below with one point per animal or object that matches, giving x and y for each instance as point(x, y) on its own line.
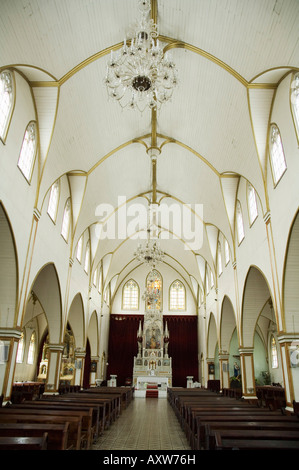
point(240, 225)
point(252, 204)
point(219, 255)
point(27, 154)
point(66, 220)
point(154, 285)
point(53, 201)
point(277, 154)
point(20, 352)
point(226, 249)
point(6, 101)
point(31, 350)
point(177, 296)
point(130, 295)
point(87, 257)
point(79, 249)
point(295, 100)
point(274, 356)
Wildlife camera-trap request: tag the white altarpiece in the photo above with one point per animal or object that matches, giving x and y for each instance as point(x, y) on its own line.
point(152, 364)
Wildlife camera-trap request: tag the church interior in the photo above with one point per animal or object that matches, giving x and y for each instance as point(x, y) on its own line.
point(149, 222)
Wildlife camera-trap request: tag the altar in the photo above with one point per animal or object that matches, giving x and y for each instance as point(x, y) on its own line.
point(152, 366)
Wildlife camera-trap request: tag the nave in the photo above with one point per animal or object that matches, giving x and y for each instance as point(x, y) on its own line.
point(147, 424)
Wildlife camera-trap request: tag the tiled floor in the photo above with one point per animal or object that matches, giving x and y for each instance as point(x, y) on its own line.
point(147, 424)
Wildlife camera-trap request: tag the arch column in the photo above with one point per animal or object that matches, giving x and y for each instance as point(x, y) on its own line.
point(210, 367)
point(94, 370)
point(79, 367)
point(55, 355)
point(9, 340)
point(247, 368)
point(289, 349)
point(224, 369)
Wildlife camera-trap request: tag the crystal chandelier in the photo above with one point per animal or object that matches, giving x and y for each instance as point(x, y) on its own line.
point(140, 75)
point(150, 253)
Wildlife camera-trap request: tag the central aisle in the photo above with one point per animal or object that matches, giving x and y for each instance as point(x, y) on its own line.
point(147, 424)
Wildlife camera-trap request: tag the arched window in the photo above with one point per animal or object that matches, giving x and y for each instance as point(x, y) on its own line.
point(252, 204)
point(130, 300)
point(207, 281)
point(66, 221)
point(277, 157)
point(226, 250)
point(95, 277)
point(177, 296)
point(154, 285)
point(31, 350)
point(28, 151)
point(6, 101)
point(295, 100)
point(20, 353)
point(274, 355)
point(53, 201)
point(79, 249)
point(240, 224)
point(87, 257)
point(211, 280)
point(219, 259)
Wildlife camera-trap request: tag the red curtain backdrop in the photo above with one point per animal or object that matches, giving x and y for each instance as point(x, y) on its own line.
point(183, 346)
point(122, 346)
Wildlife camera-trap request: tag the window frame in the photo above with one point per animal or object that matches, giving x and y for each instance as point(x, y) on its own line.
point(226, 252)
point(8, 118)
point(87, 254)
point(22, 353)
point(80, 243)
point(67, 205)
point(273, 340)
point(31, 349)
point(251, 189)
point(176, 308)
point(122, 296)
point(295, 115)
point(29, 177)
point(239, 213)
point(219, 257)
point(161, 290)
point(276, 181)
point(54, 218)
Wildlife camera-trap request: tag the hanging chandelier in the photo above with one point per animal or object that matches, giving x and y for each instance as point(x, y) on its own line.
point(150, 253)
point(140, 75)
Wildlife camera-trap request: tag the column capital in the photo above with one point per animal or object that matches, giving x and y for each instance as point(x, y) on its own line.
point(246, 350)
point(56, 347)
point(267, 217)
point(36, 214)
point(10, 333)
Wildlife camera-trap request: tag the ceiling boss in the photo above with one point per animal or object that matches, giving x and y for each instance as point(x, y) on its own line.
point(140, 75)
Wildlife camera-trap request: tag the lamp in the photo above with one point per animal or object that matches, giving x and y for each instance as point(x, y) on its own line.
point(140, 75)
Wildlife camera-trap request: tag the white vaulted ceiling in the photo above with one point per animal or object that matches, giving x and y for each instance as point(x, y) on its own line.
point(230, 56)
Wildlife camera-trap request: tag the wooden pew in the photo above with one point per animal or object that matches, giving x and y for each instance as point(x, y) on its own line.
point(113, 398)
point(89, 415)
point(103, 405)
point(247, 427)
point(191, 426)
point(75, 423)
point(24, 443)
point(256, 440)
point(57, 433)
point(125, 392)
point(235, 418)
